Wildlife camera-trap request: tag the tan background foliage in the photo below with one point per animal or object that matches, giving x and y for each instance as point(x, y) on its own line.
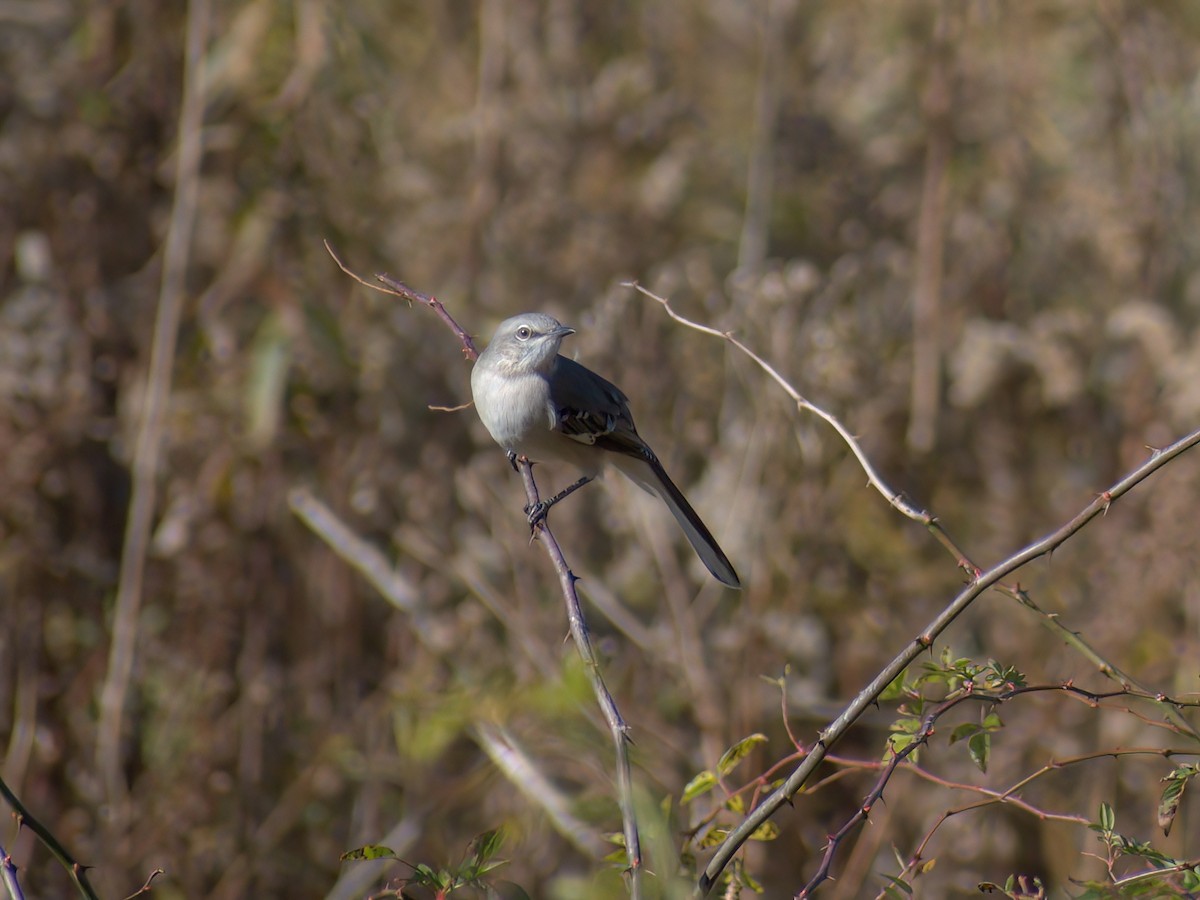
point(767, 166)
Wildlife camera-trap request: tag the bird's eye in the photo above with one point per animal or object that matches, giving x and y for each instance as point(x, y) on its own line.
point(524, 333)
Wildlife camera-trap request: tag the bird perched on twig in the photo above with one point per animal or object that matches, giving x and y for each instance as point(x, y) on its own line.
point(545, 407)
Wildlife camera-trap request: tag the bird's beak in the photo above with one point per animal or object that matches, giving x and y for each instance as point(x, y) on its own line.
point(562, 331)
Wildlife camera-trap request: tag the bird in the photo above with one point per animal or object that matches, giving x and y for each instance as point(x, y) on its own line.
point(545, 407)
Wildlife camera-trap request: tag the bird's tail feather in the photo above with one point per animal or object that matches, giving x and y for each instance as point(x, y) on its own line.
point(651, 476)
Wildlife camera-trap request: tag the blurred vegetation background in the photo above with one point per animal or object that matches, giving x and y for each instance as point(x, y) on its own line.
point(969, 229)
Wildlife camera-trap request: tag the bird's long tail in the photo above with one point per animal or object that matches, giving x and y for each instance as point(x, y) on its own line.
point(651, 476)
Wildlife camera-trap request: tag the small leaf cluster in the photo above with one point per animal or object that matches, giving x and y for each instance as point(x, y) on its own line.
point(479, 861)
point(958, 677)
point(736, 877)
point(1164, 873)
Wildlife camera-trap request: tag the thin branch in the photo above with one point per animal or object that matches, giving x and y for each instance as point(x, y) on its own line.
point(25, 819)
point(158, 391)
point(1178, 867)
point(567, 580)
point(922, 737)
point(893, 497)
point(583, 645)
point(1007, 796)
point(399, 289)
point(992, 797)
point(146, 885)
point(8, 875)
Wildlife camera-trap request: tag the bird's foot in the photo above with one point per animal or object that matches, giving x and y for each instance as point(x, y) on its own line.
point(537, 512)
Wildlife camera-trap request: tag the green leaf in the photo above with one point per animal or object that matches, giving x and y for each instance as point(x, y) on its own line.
point(894, 690)
point(780, 682)
point(965, 730)
point(425, 875)
point(1190, 880)
point(480, 862)
point(714, 836)
point(991, 722)
point(1168, 804)
point(489, 866)
point(1108, 819)
point(906, 725)
point(738, 752)
point(736, 805)
point(767, 831)
point(1172, 795)
point(701, 784)
point(748, 880)
point(896, 745)
point(486, 845)
point(1002, 677)
point(370, 851)
point(980, 747)
point(895, 885)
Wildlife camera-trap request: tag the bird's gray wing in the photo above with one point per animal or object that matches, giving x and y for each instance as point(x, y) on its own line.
point(593, 410)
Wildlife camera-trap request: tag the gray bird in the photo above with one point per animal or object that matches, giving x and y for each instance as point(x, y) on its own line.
point(546, 407)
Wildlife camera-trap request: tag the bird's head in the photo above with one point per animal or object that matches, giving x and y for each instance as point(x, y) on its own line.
point(528, 342)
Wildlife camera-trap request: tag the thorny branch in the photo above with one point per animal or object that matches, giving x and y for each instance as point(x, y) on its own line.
point(980, 581)
point(618, 729)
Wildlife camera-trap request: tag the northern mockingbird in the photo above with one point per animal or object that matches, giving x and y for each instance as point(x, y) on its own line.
point(546, 407)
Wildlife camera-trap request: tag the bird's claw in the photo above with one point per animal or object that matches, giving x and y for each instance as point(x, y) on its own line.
point(512, 460)
point(537, 512)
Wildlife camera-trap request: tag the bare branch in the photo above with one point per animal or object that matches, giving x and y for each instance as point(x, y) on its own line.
point(158, 391)
point(399, 289)
point(25, 819)
point(567, 580)
point(8, 876)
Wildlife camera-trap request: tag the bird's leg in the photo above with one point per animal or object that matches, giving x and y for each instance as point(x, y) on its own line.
point(537, 511)
point(512, 459)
